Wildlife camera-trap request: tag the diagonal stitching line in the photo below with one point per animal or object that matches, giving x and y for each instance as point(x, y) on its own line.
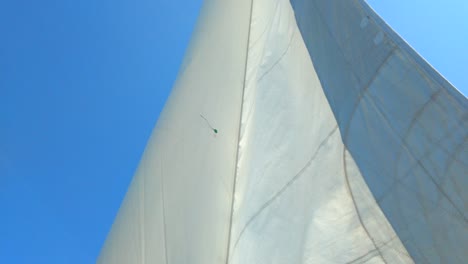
point(288, 184)
point(362, 258)
point(280, 57)
point(419, 162)
point(399, 179)
point(355, 205)
point(413, 123)
point(384, 118)
point(454, 154)
point(438, 142)
point(385, 244)
point(270, 23)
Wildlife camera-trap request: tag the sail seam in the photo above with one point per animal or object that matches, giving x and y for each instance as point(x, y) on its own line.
point(296, 177)
point(358, 214)
point(428, 152)
point(239, 133)
point(408, 150)
point(413, 122)
point(280, 57)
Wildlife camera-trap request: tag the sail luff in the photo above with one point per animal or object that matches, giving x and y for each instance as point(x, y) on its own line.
point(247, 48)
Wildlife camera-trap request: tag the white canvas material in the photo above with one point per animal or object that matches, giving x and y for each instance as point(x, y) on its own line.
point(302, 131)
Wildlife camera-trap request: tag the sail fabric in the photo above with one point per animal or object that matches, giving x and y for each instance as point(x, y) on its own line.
point(301, 131)
point(178, 207)
point(299, 196)
point(405, 126)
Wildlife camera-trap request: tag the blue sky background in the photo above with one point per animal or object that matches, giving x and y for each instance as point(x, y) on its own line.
point(81, 87)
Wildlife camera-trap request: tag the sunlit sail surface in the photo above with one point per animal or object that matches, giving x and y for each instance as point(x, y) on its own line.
point(302, 131)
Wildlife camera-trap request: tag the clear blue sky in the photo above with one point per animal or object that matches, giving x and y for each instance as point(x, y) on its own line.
point(81, 86)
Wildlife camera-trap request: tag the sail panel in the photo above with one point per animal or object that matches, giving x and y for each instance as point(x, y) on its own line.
point(403, 123)
point(302, 131)
point(178, 207)
point(300, 198)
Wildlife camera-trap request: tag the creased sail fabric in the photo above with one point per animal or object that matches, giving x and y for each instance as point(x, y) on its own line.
point(302, 131)
point(404, 125)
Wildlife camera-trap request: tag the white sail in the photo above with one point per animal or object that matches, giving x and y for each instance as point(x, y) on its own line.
point(300, 132)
